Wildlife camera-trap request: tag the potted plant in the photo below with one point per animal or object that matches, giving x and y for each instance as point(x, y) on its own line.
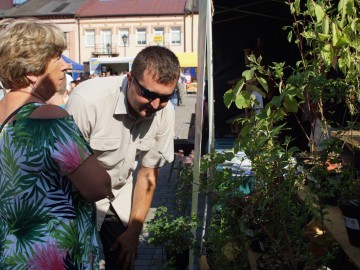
point(174, 235)
point(350, 207)
point(327, 173)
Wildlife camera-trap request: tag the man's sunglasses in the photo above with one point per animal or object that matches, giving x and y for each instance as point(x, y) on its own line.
point(146, 93)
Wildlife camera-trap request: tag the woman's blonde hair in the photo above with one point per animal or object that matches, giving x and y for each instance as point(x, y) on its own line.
point(26, 47)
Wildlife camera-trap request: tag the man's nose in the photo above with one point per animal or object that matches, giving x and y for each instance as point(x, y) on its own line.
point(155, 103)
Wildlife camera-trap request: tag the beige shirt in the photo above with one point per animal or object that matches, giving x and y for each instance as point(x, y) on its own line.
point(99, 108)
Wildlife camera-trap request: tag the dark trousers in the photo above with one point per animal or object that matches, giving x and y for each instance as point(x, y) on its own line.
point(111, 228)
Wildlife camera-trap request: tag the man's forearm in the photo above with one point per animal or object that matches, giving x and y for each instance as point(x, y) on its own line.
point(143, 195)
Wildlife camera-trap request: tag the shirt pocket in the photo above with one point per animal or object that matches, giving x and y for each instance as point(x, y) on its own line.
point(107, 150)
point(145, 144)
point(105, 144)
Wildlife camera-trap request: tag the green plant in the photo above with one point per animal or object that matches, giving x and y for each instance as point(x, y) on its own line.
point(326, 75)
point(172, 233)
point(225, 239)
point(185, 165)
point(327, 173)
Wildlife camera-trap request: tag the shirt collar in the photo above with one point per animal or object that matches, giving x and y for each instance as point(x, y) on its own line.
point(121, 106)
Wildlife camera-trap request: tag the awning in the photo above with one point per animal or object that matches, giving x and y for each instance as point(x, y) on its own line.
point(76, 67)
point(188, 59)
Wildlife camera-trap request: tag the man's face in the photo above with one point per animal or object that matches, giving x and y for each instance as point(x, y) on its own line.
point(146, 96)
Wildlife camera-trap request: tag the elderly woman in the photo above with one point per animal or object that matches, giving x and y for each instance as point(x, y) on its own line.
point(49, 177)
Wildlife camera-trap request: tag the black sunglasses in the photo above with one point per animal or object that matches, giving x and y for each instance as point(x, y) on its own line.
point(146, 93)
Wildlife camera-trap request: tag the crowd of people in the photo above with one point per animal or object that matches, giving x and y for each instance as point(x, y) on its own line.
point(58, 165)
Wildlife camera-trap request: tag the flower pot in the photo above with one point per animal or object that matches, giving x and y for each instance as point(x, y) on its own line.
point(180, 260)
point(332, 200)
point(351, 213)
point(280, 261)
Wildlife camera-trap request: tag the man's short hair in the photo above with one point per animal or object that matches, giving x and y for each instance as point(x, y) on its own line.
point(161, 61)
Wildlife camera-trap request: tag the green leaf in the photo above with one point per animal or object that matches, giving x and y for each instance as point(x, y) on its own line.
point(239, 86)
point(325, 26)
point(289, 37)
point(248, 74)
point(343, 40)
point(257, 89)
point(263, 83)
point(335, 34)
point(243, 100)
point(311, 7)
point(308, 34)
point(276, 101)
point(353, 24)
point(350, 8)
point(319, 12)
point(342, 10)
point(228, 98)
point(327, 54)
point(297, 6)
point(324, 37)
point(290, 104)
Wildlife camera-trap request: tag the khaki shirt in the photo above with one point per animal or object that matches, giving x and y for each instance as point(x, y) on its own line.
point(100, 109)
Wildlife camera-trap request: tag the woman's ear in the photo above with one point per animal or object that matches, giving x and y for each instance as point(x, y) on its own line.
point(32, 79)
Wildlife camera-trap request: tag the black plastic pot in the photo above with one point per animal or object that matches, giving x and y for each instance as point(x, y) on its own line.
point(332, 200)
point(351, 213)
point(272, 262)
point(181, 261)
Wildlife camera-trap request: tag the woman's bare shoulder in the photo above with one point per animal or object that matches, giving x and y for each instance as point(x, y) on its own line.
point(49, 112)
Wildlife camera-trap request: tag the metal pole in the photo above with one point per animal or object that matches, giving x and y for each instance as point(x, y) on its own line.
point(204, 29)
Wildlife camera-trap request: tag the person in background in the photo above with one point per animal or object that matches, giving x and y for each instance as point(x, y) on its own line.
point(49, 177)
point(125, 118)
point(175, 98)
point(181, 88)
point(69, 79)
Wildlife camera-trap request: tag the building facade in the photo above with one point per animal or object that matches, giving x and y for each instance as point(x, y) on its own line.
point(107, 35)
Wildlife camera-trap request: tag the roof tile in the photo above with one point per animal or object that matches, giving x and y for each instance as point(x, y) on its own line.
point(131, 7)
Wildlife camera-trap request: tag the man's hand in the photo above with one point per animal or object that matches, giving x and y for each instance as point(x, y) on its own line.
point(127, 245)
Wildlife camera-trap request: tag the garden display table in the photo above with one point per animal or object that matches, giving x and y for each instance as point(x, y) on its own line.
point(253, 256)
point(334, 223)
point(351, 149)
point(350, 137)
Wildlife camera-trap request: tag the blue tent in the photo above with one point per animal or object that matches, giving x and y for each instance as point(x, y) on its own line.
point(76, 68)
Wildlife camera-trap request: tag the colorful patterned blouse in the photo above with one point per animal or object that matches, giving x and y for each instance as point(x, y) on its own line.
point(44, 221)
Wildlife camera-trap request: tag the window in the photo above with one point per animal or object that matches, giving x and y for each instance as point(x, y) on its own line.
point(90, 38)
point(106, 41)
point(159, 36)
point(123, 32)
point(67, 37)
point(175, 36)
point(141, 36)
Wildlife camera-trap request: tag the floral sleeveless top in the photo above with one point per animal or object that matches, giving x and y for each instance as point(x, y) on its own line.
point(44, 221)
